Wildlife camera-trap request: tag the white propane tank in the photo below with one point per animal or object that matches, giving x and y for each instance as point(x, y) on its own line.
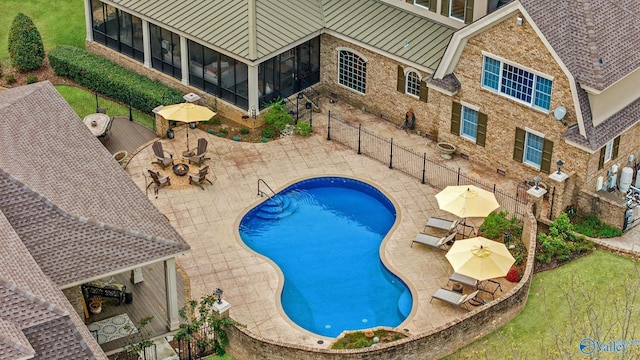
point(626, 176)
point(599, 183)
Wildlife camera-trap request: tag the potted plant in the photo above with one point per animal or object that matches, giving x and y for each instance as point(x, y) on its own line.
point(446, 149)
point(95, 306)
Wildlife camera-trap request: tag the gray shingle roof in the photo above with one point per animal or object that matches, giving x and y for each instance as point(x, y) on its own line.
point(584, 31)
point(47, 148)
point(449, 82)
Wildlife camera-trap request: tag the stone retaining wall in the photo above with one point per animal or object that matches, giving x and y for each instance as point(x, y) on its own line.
point(442, 341)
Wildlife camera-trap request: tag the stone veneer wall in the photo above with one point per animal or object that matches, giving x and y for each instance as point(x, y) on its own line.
point(382, 97)
point(607, 210)
point(74, 295)
point(445, 340)
point(223, 108)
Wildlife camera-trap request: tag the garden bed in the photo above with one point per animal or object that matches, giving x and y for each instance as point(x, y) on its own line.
point(363, 339)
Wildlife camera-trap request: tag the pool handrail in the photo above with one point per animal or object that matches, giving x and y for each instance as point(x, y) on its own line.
point(262, 193)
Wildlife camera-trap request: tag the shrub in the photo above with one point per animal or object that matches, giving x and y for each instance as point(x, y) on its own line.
point(303, 129)
point(561, 242)
point(105, 77)
point(495, 225)
point(32, 79)
point(277, 116)
point(268, 133)
point(244, 131)
point(216, 120)
point(25, 44)
point(10, 79)
point(223, 132)
point(513, 275)
point(590, 225)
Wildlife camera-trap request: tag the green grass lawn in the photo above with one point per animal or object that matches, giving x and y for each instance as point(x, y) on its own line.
point(566, 305)
point(84, 103)
point(216, 357)
point(65, 25)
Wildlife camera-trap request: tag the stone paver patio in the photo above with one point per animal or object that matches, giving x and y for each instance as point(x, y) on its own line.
point(208, 220)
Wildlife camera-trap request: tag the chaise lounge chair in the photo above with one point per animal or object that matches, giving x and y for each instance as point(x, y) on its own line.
point(441, 224)
point(454, 298)
point(440, 243)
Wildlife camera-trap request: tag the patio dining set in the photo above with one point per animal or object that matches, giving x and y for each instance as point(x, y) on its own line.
point(476, 261)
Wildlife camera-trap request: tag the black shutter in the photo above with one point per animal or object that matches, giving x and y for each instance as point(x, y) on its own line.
point(616, 145)
point(433, 4)
point(481, 135)
point(424, 91)
point(518, 145)
point(601, 161)
point(456, 110)
point(468, 12)
point(401, 79)
point(444, 10)
point(547, 151)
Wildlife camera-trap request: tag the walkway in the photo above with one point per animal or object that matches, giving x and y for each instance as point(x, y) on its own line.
point(208, 220)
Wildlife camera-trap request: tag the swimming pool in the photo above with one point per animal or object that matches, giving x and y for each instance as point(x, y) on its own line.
point(325, 235)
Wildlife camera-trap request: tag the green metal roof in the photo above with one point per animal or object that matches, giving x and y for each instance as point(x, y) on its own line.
point(253, 29)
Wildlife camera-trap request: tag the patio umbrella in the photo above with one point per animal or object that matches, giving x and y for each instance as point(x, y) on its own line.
point(480, 258)
point(467, 201)
point(186, 113)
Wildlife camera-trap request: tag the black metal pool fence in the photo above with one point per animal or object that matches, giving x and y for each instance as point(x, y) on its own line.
point(415, 164)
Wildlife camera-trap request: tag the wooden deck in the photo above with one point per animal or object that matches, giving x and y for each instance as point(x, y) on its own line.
point(149, 299)
point(127, 135)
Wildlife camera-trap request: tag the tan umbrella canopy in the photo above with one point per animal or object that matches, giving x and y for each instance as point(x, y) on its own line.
point(480, 258)
point(467, 201)
point(186, 113)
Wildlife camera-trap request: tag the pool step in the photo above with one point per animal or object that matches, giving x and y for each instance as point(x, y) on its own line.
point(277, 208)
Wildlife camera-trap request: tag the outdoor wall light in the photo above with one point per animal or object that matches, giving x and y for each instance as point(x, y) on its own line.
point(537, 180)
point(218, 293)
point(192, 125)
point(560, 163)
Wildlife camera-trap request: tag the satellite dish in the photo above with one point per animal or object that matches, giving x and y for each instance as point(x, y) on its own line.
point(559, 113)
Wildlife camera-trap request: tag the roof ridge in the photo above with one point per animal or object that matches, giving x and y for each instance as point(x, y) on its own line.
point(83, 219)
point(15, 342)
point(35, 299)
point(592, 43)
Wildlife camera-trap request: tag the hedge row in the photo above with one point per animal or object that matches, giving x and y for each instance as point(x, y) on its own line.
point(110, 79)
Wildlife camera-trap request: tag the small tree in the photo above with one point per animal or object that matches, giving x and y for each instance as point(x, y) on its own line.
point(25, 44)
point(277, 116)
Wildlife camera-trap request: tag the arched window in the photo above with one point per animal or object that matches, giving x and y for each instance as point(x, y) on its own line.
point(352, 71)
point(413, 84)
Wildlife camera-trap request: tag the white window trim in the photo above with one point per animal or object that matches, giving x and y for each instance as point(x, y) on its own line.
point(366, 61)
point(477, 110)
point(524, 152)
point(608, 151)
point(422, 6)
point(498, 92)
point(406, 81)
point(464, 13)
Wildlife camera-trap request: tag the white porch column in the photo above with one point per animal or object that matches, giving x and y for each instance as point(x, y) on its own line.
point(146, 43)
point(87, 20)
point(184, 59)
point(173, 320)
point(252, 83)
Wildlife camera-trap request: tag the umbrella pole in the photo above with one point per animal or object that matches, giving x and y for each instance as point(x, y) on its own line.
point(187, 137)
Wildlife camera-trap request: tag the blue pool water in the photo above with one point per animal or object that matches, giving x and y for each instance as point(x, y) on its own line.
point(325, 235)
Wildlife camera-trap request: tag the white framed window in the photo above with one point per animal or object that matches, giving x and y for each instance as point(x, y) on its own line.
point(469, 123)
point(352, 71)
point(608, 151)
point(412, 83)
point(423, 3)
point(457, 9)
point(533, 149)
point(517, 83)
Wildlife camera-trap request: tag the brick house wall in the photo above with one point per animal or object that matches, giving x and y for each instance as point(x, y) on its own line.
point(382, 97)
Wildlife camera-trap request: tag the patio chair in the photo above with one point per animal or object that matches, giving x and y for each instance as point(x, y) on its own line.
point(200, 177)
point(161, 155)
point(441, 224)
point(199, 156)
point(440, 243)
point(455, 298)
point(159, 180)
point(107, 131)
